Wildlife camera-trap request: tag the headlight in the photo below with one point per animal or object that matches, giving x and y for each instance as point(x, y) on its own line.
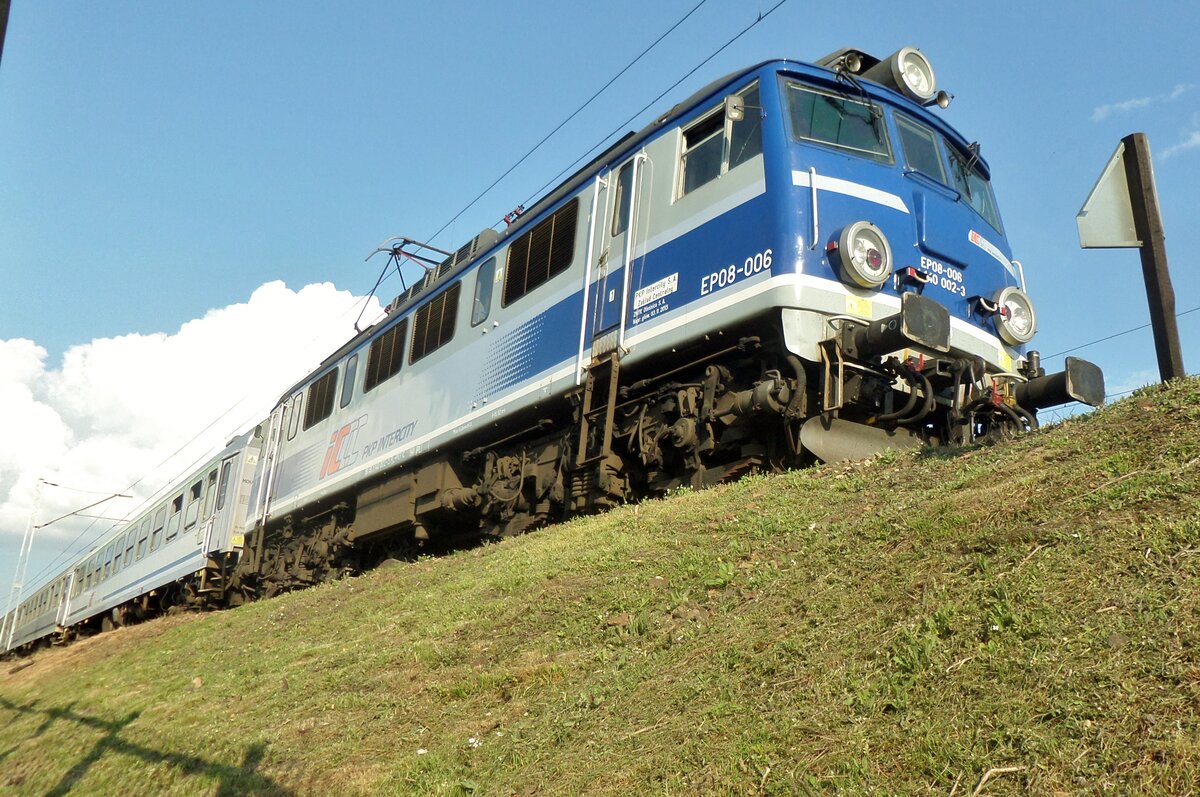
point(908, 71)
point(1015, 319)
point(865, 255)
point(916, 73)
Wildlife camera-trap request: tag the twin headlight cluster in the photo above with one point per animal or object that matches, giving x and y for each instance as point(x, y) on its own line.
point(864, 259)
point(907, 71)
point(864, 256)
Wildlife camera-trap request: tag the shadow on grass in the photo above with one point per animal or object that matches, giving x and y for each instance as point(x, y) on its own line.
point(243, 779)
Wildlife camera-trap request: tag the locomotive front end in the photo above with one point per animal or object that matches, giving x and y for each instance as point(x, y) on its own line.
point(910, 307)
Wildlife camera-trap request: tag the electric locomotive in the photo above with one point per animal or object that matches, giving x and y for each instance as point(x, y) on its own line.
point(799, 261)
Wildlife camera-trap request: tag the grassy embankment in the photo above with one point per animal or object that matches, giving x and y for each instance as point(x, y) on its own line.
point(900, 626)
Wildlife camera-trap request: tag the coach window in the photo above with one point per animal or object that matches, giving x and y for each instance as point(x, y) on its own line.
point(210, 492)
point(116, 555)
point(224, 488)
point(541, 254)
point(348, 381)
point(716, 144)
point(106, 558)
point(481, 308)
point(385, 356)
point(143, 538)
point(433, 324)
point(320, 399)
point(160, 518)
point(846, 124)
point(193, 507)
point(176, 517)
point(294, 421)
point(130, 539)
point(921, 151)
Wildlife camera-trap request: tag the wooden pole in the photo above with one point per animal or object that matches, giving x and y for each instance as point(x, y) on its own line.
point(1147, 222)
point(4, 7)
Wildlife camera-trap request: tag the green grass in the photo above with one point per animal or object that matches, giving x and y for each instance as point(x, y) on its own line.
point(899, 626)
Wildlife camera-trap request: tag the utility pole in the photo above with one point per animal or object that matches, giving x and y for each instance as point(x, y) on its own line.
point(18, 587)
point(14, 595)
point(4, 6)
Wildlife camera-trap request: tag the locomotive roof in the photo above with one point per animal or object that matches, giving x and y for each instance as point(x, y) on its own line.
point(627, 143)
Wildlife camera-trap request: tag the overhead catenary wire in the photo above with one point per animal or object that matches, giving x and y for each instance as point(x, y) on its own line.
point(387, 275)
point(1114, 335)
point(761, 16)
point(572, 115)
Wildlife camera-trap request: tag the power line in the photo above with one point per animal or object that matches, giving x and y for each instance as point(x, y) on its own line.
point(573, 114)
point(692, 71)
point(1114, 335)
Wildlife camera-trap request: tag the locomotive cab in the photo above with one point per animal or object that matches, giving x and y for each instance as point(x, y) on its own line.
point(888, 202)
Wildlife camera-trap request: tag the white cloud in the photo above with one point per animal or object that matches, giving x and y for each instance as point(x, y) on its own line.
point(1192, 141)
point(1102, 112)
point(116, 408)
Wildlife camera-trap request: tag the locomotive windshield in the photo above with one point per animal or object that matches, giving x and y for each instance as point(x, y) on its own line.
point(859, 127)
point(839, 122)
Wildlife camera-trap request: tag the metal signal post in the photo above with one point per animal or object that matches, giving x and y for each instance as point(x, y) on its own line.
point(1122, 212)
point(1147, 220)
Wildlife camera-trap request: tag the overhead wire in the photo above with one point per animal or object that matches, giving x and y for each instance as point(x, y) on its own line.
point(761, 16)
point(572, 115)
point(387, 275)
point(1110, 337)
point(1058, 411)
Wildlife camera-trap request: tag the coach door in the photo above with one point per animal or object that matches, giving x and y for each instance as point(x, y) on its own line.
point(219, 519)
point(285, 420)
point(613, 238)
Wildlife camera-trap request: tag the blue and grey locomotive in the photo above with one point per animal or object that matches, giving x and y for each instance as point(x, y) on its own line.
point(800, 261)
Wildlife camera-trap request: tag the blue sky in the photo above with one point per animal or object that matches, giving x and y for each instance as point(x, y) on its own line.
point(159, 161)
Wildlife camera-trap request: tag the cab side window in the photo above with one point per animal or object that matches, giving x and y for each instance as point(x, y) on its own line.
point(716, 143)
